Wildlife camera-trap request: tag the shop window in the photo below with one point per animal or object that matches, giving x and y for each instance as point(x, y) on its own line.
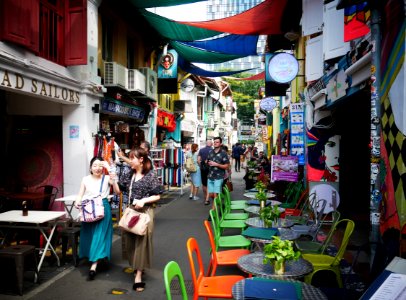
point(55, 30)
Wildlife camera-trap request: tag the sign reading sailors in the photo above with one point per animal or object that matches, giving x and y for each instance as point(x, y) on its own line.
point(21, 83)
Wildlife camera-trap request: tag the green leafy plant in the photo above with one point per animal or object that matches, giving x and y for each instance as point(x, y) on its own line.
point(260, 186)
point(261, 196)
point(251, 164)
point(270, 214)
point(279, 251)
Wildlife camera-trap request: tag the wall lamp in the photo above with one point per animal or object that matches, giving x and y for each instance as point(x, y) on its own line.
point(96, 108)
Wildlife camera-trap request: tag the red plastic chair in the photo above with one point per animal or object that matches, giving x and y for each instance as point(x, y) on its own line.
point(221, 258)
point(208, 287)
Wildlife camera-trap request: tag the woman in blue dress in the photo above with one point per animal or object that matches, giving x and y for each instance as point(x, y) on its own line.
point(96, 237)
point(195, 177)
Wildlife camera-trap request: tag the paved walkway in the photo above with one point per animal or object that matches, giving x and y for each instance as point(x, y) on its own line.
point(177, 219)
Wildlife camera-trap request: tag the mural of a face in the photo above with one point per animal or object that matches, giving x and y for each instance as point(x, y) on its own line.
point(332, 153)
point(167, 61)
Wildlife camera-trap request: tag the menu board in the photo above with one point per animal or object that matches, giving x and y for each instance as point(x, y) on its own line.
point(284, 168)
point(297, 133)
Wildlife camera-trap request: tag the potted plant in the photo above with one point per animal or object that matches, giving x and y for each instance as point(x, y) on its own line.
point(278, 252)
point(260, 186)
point(251, 165)
point(270, 215)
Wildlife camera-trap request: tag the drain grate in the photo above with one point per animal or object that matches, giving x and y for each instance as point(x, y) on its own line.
point(175, 287)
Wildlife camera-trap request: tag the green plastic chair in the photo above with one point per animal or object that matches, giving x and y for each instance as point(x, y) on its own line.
point(317, 247)
point(224, 224)
point(226, 211)
point(172, 270)
point(229, 241)
point(327, 262)
point(234, 204)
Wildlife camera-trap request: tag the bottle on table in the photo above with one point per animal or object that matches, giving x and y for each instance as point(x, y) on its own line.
point(25, 208)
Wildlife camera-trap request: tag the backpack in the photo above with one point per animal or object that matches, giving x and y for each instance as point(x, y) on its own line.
point(190, 165)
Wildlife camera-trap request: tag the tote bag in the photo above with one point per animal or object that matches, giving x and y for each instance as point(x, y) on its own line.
point(92, 210)
point(134, 221)
point(190, 165)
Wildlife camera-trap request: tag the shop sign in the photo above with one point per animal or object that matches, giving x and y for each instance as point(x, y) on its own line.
point(284, 168)
point(166, 120)
point(123, 109)
point(36, 87)
point(268, 104)
point(281, 67)
point(168, 65)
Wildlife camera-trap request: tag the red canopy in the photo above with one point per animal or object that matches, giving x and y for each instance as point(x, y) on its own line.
point(265, 18)
point(259, 76)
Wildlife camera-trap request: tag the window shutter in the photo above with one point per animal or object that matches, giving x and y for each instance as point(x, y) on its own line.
point(76, 33)
point(18, 23)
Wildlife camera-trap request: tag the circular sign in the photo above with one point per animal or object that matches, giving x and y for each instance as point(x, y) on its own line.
point(268, 104)
point(283, 67)
point(187, 85)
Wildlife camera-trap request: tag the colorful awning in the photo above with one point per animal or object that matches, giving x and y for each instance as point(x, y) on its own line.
point(198, 55)
point(176, 31)
point(264, 18)
point(193, 69)
point(160, 3)
point(230, 44)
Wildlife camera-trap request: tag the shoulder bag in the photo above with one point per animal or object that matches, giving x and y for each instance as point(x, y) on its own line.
point(132, 220)
point(92, 210)
point(190, 165)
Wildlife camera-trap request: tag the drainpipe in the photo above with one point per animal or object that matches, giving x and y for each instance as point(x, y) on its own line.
point(375, 192)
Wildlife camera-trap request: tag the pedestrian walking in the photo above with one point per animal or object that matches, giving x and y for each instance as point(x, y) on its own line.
point(204, 168)
point(236, 154)
point(96, 237)
point(218, 162)
point(144, 189)
point(196, 179)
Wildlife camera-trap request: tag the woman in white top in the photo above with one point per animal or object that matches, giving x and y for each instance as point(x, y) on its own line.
point(96, 237)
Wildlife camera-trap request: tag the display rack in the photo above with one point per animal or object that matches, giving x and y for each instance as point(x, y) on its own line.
point(157, 157)
point(173, 160)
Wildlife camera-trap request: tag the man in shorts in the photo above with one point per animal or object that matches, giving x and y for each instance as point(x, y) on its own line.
point(218, 162)
point(204, 168)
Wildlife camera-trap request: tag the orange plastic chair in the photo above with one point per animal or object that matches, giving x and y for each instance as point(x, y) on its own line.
point(221, 258)
point(208, 287)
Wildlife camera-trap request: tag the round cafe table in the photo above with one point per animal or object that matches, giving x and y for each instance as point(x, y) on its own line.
point(253, 264)
point(308, 291)
point(252, 195)
point(257, 222)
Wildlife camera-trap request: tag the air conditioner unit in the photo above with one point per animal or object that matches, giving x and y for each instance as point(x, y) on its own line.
point(115, 75)
point(151, 82)
point(136, 81)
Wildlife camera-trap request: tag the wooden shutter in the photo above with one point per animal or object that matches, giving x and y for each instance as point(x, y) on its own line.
point(20, 22)
point(76, 32)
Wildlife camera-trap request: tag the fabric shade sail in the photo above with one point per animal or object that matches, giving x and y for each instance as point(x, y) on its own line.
point(198, 55)
point(264, 18)
point(193, 69)
point(230, 44)
point(174, 31)
point(159, 3)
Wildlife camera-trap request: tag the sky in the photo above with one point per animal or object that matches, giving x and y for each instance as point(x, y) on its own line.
point(186, 12)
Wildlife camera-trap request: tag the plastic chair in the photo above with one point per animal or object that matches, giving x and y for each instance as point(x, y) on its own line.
point(171, 271)
point(221, 258)
point(317, 247)
point(327, 262)
point(204, 286)
point(234, 204)
point(51, 192)
point(228, 215)
point(223, 224)
point(305, 212)
point(230, 241)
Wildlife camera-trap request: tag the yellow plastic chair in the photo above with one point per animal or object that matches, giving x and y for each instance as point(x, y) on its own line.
point(171, 271)
point(327, 262)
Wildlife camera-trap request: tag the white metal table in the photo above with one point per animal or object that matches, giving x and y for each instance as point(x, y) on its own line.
point(68, 203)
point(34, 220)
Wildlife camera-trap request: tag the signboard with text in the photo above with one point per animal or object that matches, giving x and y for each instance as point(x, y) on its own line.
point(284, 168)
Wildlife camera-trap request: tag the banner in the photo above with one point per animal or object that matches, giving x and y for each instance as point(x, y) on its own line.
point(284, 168)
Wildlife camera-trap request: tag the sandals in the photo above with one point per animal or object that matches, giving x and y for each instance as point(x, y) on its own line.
point(139, 286)
point(92, 275)
point(206, 202)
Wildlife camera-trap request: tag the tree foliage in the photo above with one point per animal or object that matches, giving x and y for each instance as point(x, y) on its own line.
point(244, 94)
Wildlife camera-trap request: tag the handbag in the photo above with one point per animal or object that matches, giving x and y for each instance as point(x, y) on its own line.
point(92, 210)
point(190, 165)
point(229, 185)
point(134, 221)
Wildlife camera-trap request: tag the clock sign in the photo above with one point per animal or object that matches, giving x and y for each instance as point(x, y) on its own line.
point(282, 68)
point(187, 85)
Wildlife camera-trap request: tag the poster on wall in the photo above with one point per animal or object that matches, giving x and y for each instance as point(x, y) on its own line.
point(284, 168)
point(297, 136)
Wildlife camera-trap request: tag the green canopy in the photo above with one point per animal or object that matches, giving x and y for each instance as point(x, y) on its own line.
point(175, 31)
point(199, 55)
point(159, 3)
